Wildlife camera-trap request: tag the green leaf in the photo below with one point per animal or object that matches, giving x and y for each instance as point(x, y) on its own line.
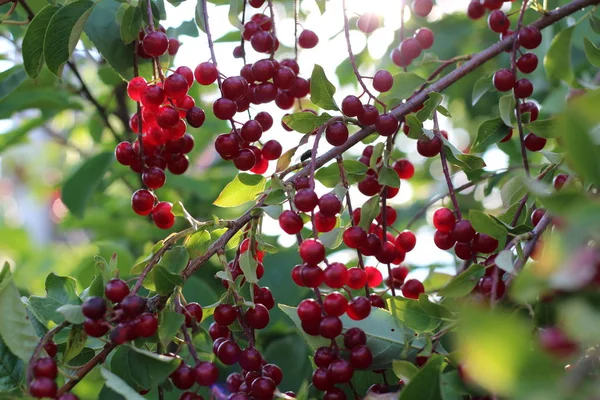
point(233, 36)
point(387, 337)
point(329, 176)
point(545, 128)
point(169, 323)
point(404, 370)
point(199, 16)
point(11, 369)
point(62, 289)
point(285, 160)
point(33, 41)
point(175, 259)
point(81, 185)
point(47, 99)
point(463, 283)
point(426, 384)
point(164, 281)
point(75, 343)
point(558, 58)
point(504, 261)
point(273, 211)
point(72, 313)
point(415, 126)
point(595, 23)
point(234, 11)
point(507, 110)
point(591, 52)
point(412, 315)
point(11, 79)
point(389, 177)
point(581, 149)
point(481, 87)
point(483, 223)
point(405, 84)
point(248, 265)
point(305, 122)
point(197, 244)
point(130, 24)
point(321, 90)
point(150, 368)
point(377, 153)
point(467, 162)
point(489, 132)
point(15, 328)
point(243, 188)
point(63, 33)
point(117, 384)
point(368, 212)
point(276, 197)
point(333, 238)
point(432, 102)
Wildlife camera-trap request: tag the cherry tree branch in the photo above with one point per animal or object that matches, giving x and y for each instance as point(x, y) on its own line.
point(438, 133)
point(36, 352)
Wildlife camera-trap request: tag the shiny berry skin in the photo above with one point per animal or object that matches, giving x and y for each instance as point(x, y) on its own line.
point(51, 348)
point(374, 276)
point(218, 331)
point(335, 304)
point(504, 80)
point(354, 237)
point(404, 168)
point(463, 231)
point(263, 388)
point(136, 87)
point(534, 142)
point(557, 343)
point(529, 37)
point(357, 278)
point(330, 205)
point(206, 73)
point(133, 305)
point(399, 274)
point(527, 63)
point(559, 181)
point(167, 117)
point(412, 288)
point(225, 314)
point(361, 357)
point(176, 86)
point(531, 108)
point(234, 381)
point(306, 200)
point(142, 202)
point(154, 178)
point(162, 215)
point(429, 147)
point(443, 240)
point(271, 150)
point(224, 109)
point(368, 115)
point(116, 290)
point(193, 314)
point(323, 357)
point(330, 327)
point(95, 328)
point(251, 131)
point(537, 215)
point(312, 251)
point(340, 371)
point(229, 352)
point(486, 286)
point(351, 106)
point(369, 186)
point(410, 48)
point(354, 337)
point(257, 317)
point(367, 23)
point(463, 251)
point(359, 308)
point(406, 241)
point(443, 219)
point(376, 300)
point(383, 80)
point(422, 7)
point(386, 124)
point(273, 372)
point(475, 10)
point(309, 310)
point(206, 374)
point(155, 43)
point(178, 164)
point(425, 37)
point(498, 21)
point(320, 380)
point(336, 275)
point(45, 367)
point(324, 223)
point(234, 87)
point(311, 275)
point(308, 39)
point(94, 307)
point(290, 222)
point(195, 117)
point(250, 359)
point(336, 133)
point(146, 325)
point(227, 145)
point(183, 377)
point(245, 160)
point(124, 153)
point(153, 96)
point(523, 88)
point(484, 243)
point(43, 387)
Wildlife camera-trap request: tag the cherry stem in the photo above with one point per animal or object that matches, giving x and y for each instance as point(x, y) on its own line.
point(270, 4)
point(150, 16)
point(40, 346)
point(513, 62)
point(186, 334)
point(296, 30)
point(242, 41)
point(87, 367)
point(353, 59)
point(437, 132)
point(344, 178)
point(388, 149)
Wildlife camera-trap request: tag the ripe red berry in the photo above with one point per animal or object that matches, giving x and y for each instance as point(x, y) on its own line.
point(354, 237)
point(504, 80)
point(162, 215)
point(290, 222)
point(336, 133)
point(527, 63)
point(136, 87)
point(116, 290)
point(340, 371)
point(193, 314)
point(412, 288)
point(374, 276)
point(425, 37)
point(153, 97)
point(359, 308)
point(323, 357)
point(330, 327)
point(224, 109)
point(45, 367)
point(146, 325)
point(154, 178)
point(262, 42)
point(167, 117)
point(486, 286)
point(330, 205)
point(354, 337)
point(383, 80)
point(142, 202)
point(335, 304)
point(443, 219)
point(537, 215)
point(498, 21)
point(245, 160)
point(529, 37)
point(523, 88)
point(335, 275)
point(406, 241)
point(95, 328)
point(429, 147)
point(463, 231)
point(308, 39)
point(422, 7)
point(404, 168)
point(176, 86)
point(257, 317)
point(94, 307)
point(218, 331)
point(386, 124)
point(229, 352)
point(410, 48)
point(51, 348)
point(531, 108)
point(206, 374)
point(324, 223)
point(133, 305)
point(178, 164)
point(443, 240)
point(484, 243)
point(309, 310)
point(306, 200)
point(43, 387)
point(263, 388)
point(195, 117)
point(351, 106)
point(225, 314)
point(183, 377)
point(271, 150)
point(367, 22)
point(361, 357)
point(206, 73)
point(534, 142)
point(475, 9)
point(155, 43)
point(463, 251)
point(357, 278)
point(312, 251)
point(559, 181)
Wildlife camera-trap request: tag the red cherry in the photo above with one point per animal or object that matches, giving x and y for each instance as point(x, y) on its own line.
point(368, 22)
point(463, 231)
point(498, 21)
point(406, 241)
point(534, 142)
point(383, 80)
point(146, 325)
point(195, 117)
point(475, 10)
point(556, 342)
point(45, 367)
point(308, 39)
point(257, 317)
point(443, 219)
point(504, 80)
point(206, 374)
point(183, 377)
point(443, 240)
point(374, 276)
point(162, 215)
point(422, 7)
point(529, 37)
point(523, 88)
point(330, 327)
point(206, 73)
point(225, 314)
point(155, 43)
point(404, 168)
point(484, 243)
point(335, 275)
point(116, 290)
point(425, 37)
point(312, 251)
point(176, 86)
point(335, 304)
point(359, 308)
point(142, 202)
point(336, 133)
point(361, 357)
point(354, 237)
point(42, 388)
point(412, 288)
point(309, 310)
point(340, 371)
point(136, 87)
point(527, 63)
point(429, 147)
point(306, 200)
point(351, 106)
point(290, 222)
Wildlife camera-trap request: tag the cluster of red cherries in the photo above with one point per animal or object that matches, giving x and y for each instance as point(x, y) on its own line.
point(45, 372)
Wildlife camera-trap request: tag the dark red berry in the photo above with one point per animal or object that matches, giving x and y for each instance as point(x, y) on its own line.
point(422, 7)
point(146, 325)
point(359, 308)
point(484, 243)
point(225, 314)
point(340, 371)
point(336, 133)
point(257, 317)
point(498, 21)
point(530, 37)
point(534, 142)
point(306, 200)
point(523, 88)
point(412, 288)
point(308, 39)
point(206, 374)
point(116, 290)
point(94, 307)
point(527, 63)
point(206, 73)
point(429, 147)
point(312, 251)
point(335, 275)
point(43, 387)
point(290, 222)
point(155, 43)
point(354, 237)
point(183, 377)
point(195, 117)
point(45, 367)
point(133, 305)
point(383, 80)
point(443, 219)
point(335, 304)
point(425, 37)
point(504, 80)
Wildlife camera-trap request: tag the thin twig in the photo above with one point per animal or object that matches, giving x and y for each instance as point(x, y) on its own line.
point(438, 133)
point(40, 346)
